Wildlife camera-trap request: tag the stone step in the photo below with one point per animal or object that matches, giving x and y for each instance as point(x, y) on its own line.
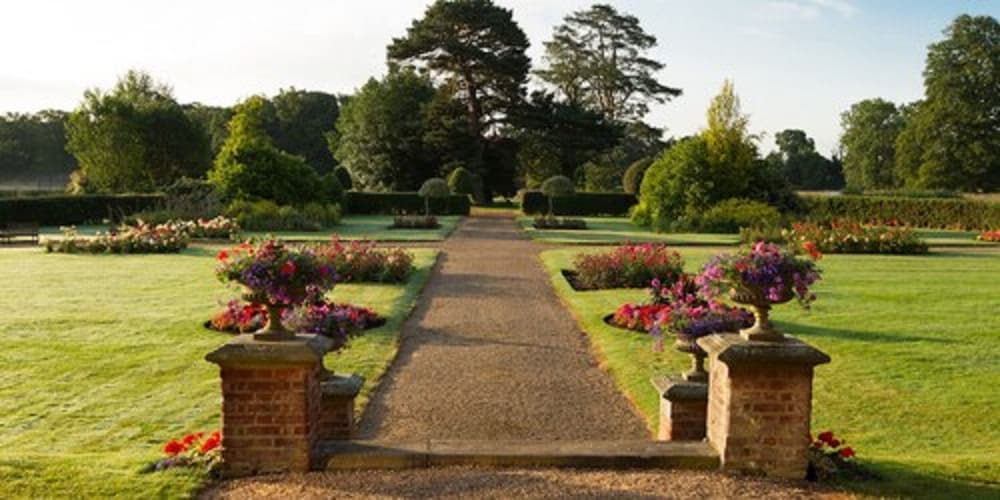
point(334, 455)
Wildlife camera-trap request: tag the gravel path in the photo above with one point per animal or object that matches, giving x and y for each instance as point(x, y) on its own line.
point(515, 483)
point(490, 353)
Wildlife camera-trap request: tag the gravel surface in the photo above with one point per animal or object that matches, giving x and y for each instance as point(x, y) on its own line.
point(514, 483)
point(491, 353)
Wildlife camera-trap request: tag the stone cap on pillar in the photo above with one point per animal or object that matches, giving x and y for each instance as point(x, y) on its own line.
point(342, 386)
point(680, 390)
point(245, 350)
point(732, 349)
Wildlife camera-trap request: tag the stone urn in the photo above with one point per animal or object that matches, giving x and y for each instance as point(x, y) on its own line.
point(273, 330)
point(687, 344)
point(756, 299)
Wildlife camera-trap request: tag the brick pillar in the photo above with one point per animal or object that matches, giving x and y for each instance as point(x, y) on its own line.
point(337, 412)
point(683, 408)
point(271, 403)
point(760, 403)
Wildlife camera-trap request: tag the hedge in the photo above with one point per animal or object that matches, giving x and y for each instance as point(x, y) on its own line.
point(406, 202)
point(933, 213)
point(617, 204)
point(74, 209)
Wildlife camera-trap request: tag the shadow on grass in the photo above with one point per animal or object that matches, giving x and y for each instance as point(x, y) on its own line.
point(900, 480)
point(856, 335)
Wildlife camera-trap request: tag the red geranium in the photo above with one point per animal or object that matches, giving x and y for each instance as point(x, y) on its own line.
point(212, 442)
point(825, 437)
point(173, 447)
point(847, 452)
point(223, 255)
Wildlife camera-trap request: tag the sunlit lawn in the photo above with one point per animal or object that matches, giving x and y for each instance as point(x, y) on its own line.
point(914, 378)
point(103, 361)
point(351, 227)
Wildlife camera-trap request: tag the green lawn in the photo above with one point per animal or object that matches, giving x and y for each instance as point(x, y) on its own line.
point(103, 362)
point(913, 382)
point(614, 230)
point(351, 227)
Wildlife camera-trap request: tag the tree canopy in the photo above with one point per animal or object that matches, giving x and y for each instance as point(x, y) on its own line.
point(804, 168)
point(597, 58)
point(135, 137)
point(868, 142)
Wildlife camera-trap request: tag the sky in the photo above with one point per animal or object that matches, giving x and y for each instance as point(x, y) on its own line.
point(795, 63)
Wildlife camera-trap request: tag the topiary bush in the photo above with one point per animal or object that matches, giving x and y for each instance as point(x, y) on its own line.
point(733, 214)
point(557, 186)
point(434, 187)
point(632, 179)
point(462, 181)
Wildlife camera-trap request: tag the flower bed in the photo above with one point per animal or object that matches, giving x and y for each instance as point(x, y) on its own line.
point(414, 222)
point(849, 237)
point(564, 223)
point(221, 227)
point(139, 239)
point(992, 236)
point(831, 458)
point(363, 261)
point(338, 321)
point(193, 450)
point(628, 266)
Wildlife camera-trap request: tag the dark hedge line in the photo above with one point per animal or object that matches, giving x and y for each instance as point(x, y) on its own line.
point(932, 213)
point(616, 204)
point(69, 209)
point(411, 203)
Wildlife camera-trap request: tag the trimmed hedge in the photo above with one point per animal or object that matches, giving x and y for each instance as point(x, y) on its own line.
point(934, 213)
point(356, 202)
point(67, 210)
point(616, 204)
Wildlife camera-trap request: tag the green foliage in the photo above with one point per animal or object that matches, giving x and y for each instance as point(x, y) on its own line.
point(632, 180)
point(135, 138)
point(266, 215)
point(250, 166)
point(557, 186)
point(582, 204)
point(33, 148)
point(433, 188)
point(300, 123)
point(801, 165)
point(871, 128)
point(602, 178)
point(461, 181)
point(731, 215)
point(185, 199)
point(344, 176)
point(380, 133)
point(403, 202)
point(942, 213)
point(951, 139)
point(214, 120)
point(333, 191)
point(597, 58)
point(68, 210)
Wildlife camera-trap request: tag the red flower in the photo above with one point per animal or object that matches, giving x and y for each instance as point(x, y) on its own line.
point(813, 251)
point(173, 447)
point(847, 452)
point(834, 443)
point(288, 268)
point(825, 437)
point(190, 438)
point(211, 443)
point(223, 255)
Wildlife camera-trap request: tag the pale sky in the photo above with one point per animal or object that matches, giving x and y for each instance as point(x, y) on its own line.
point(796, 63)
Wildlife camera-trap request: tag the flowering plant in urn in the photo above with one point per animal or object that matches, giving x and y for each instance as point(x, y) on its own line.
point(759, 277)
point(276, 277)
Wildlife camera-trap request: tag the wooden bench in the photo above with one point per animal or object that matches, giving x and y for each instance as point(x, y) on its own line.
point(13, 230)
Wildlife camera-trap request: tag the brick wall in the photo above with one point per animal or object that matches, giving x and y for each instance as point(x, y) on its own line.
point(682, 420)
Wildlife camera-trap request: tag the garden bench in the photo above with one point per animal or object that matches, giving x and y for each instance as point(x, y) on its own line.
point(12, 230)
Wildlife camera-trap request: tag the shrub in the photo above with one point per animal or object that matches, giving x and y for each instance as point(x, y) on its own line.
point(553, 222)
point(434, 187)
point(993, 236)
point(940, 213)
point(851, 237)
point(770, 234)
point(139, 239)
point(628, 266)
point(363, 261)
point(344, 176)
point(333, 190)
point(632, 179)
point(733, 214)
point(69, 210)
point(268, 216)
point(461, 181)
point(580, 204)
point(598, 177)
point(415, 222)
point(256, 169)
point(403, 202)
